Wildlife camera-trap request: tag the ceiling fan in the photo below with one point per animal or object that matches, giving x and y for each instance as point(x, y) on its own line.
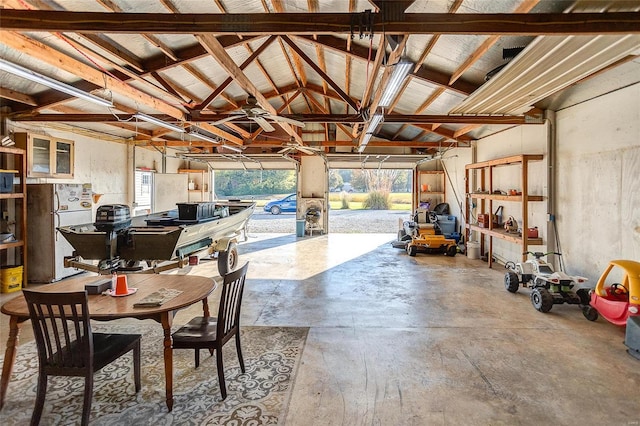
point(292, 145)
point(252, 111)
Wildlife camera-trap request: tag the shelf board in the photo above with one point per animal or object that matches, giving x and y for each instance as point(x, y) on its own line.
point(505, 197)
point(12, 244)
point(12, 150)
point(514, 238)
point(12, 195)
point(505, 161)
point(432, 192)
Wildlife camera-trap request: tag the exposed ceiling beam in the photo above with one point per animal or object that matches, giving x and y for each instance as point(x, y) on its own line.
point(86, 72)
point(443, 131)
point(207, 81)
point(191, 53)
point(100, 79)
point(421, 72)
point(372, 143)
point(216, 49)
point(169, 87)
point(161, 62)
point(17, 96)
point(525, 7)
point(99, 40)
point(392, 59)
point(321, 73)
point(228, 81)
point(425, 52)
point(112, 6)
point(322, 23)
point(422, 107)
point(306, 118)
point(270, 143)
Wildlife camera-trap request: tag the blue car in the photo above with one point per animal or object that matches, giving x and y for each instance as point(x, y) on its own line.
point(286, 204)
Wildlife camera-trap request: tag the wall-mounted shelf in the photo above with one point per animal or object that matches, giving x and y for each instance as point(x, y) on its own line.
point(198, 181)
point(483, 198)
point(429, 186)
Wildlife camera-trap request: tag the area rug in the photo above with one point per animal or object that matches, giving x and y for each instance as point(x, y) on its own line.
point(258, 397)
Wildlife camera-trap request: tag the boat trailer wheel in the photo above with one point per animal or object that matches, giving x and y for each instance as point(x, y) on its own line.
point(228, 260)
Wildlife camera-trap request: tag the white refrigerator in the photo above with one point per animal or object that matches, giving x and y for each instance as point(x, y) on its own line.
point(51, 205)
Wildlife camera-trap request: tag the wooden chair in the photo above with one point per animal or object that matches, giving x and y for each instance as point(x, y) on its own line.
point(67, 346)
point(212, 333)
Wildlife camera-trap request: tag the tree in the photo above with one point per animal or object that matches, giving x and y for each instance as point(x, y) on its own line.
point(254, 182)
point(358, 181)
point(380, 179)
point(335, 179)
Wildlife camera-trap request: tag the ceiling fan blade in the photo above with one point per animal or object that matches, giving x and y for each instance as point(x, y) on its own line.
point(306, 150)
point(264, 124)
point(259, 111)
point(287, 120)
point(224, 120)
point(285, 150)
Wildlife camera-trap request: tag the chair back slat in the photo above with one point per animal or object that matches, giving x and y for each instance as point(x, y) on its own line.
point(230, 302)
point(62, 329)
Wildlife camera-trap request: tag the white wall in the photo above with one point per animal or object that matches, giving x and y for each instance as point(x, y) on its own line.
point(597, 179)
point(106, 164)
point(598, 175)
point(96, 161)
point(453, 163)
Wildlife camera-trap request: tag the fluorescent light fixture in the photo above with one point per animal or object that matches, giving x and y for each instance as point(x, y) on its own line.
point(50, 82)
point(204, 137)
point(373, 125)
point(400, 72)
point(232, 148)
point(153, 120)
point(365, 141)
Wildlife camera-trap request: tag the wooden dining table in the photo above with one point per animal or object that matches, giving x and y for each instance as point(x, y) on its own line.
point(106, 308)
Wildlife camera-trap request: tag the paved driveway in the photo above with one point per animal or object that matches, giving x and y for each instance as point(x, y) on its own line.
point(340, 221)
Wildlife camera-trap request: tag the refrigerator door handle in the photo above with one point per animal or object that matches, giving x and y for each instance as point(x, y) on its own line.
point(56, 223)
point(57, 197)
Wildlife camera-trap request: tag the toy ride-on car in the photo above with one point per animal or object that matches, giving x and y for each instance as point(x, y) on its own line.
point(617, 293)
point(548, 287)
point(617, 298)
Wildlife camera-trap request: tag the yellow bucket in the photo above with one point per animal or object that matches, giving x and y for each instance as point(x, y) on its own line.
point(10, 279)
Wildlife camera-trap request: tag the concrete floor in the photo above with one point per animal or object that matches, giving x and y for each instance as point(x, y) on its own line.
point(426, 340)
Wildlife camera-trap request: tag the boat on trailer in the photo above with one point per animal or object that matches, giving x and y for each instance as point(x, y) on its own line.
point(160, 241)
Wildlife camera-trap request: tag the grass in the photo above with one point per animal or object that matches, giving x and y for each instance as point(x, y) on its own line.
point(397, 200)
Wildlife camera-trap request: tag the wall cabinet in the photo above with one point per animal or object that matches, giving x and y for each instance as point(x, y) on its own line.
point(199, 184)
point(485, 199)
point(429, 187)
point(47, 156)
point(13, 205)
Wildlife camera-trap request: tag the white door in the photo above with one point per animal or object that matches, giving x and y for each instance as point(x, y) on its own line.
point(144, 193)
